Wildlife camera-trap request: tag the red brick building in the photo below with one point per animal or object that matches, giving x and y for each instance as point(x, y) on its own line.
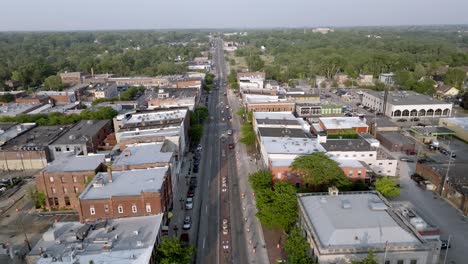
point(63, 179)
point(118, 194)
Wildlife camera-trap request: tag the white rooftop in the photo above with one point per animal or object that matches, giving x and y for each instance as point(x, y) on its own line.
point(131, 242)
point(348, 220)
point(71, 162)
point(142, 153)
point(274, 115)
point(125, 183)
point(13, 109)
point(348, 163)
point(166, 131)
point(286, 145)
point(342, 122)
point(153, 116)
point(257, 98)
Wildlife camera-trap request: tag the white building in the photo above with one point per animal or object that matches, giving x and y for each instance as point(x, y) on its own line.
point(344, 227)
point(251, 80)
point(406, 104)
point(387, 78)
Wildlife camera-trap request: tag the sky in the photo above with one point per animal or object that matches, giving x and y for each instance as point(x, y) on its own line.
point(63, 15)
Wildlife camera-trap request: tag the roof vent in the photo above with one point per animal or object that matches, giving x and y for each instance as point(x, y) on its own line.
point(323, 200)
point(72, 137)
point(345, 204)
point(139, 243)
point(135, 232)
point(89, 122)
point(333, 191)
point(377, 206)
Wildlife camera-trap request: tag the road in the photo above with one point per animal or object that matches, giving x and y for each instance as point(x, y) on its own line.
point(213, 201)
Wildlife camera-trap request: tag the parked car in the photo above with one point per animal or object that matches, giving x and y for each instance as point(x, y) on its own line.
point(199, 148)
point(406, 159)
point(402, 120)
point(414, 119)
point(189, 203)
point(229, 132)
point(191, 191)
point(231, 146)
point(187, 222)
point(184, 239)
point(411, 153)
point(195, 169)
point(445, 244)
point(193, 181)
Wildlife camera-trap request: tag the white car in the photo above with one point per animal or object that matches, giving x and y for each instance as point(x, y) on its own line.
point(189, 203)
point(225, 226)
point(360, 93)
point(229, 132)
point(187, 222)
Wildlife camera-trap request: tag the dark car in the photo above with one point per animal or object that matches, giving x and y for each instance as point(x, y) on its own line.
point(231, 146)
point(414, 119)
point(445, 244)
point(193, 182)
point(195, 169)
point(184, 239)
point(191, 191)
point(401, 120)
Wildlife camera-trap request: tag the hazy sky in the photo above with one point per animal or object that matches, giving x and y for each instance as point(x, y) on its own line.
point(161, 14)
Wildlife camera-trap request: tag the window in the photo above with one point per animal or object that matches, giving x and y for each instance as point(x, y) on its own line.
point(414, 261)
point(76, 189)
point(65, 190)
point(380, 163)
point(134, 208)
point(387, 262)
point(148, 207)
point(51, 179)
point(75, 179)
point(371, 155)
point(350, 173)
point(64, 179)
point(92, 211)
point(120, 209)
point(400, 261)
point(362, 155)
point(359, 173)
point(279, 176)
point(106, 208)
point(288, 175)
point(67, 201)
point(354, 155)
point(346, 156)
point(53, 190)
point(298, 185)
point(68, 148)
point(58, 149)
point(389, 163)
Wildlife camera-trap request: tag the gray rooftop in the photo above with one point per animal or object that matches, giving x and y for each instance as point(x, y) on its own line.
point(70, 162)
point(395, 138)
point(130, 241)
point(268, 121)
point(380, 121)
point(347, 145)
point(143, 153)
point(355, 219)
point(40, 137)
point(432, 130)
point(282, 132)
point(82, 132)
point(125, 183)
point(407, 98)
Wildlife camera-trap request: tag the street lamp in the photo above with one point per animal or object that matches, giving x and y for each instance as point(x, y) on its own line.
point(24, 232)
point(446, 177)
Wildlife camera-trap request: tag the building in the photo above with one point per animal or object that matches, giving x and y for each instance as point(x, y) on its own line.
point(84, 137)
point(341, 78)
point(30, 150)
point(446, 91)
point(11, 130)
point(15, 94)
point(251, 80)
point(387, 78)
point(127, 240)
point(141, 81)
point(143, 156)
point(12, 83)
point(121, 194)
point(365, 80)
point(354, 170)
point(14, 109)
point(362, 150)
point(64, 97)
point(266, 103)
point(396, 142)
point(200, 63)
point(340, 126)
point(343, 227)
point(189, 83)
point(72, 77)
point(457, 124)
point(406, 104)
point(278, 120)
point(380, 124)
point(175, 98)
point(98, 78)
point(323, 30)
point(272, 85)
point(66, 177)
point(107, 90)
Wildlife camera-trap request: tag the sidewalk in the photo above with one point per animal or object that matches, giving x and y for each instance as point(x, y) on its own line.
point(256, 246)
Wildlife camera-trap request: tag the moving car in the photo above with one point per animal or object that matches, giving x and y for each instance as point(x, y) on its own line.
point(445, 244)
point(406, 159)
point(225, 226)
point(231, 146)
point(189, 203)
point(187, 223)
point(191, 191)
point(229, 132)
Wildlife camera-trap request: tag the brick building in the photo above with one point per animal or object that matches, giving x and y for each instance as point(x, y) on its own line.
point(63, 179)
point(120, 194)
point(72, 77)
point(143, 156)
point(340, 125)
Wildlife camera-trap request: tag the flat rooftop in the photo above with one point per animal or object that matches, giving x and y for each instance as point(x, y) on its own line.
point(130, 241)
point(282, 132)
point(432, 131)
point(82, 132)
point(157, 132)
point(357, 219)
point(282, 145)
point(143, 153)
point(13, 109)
point(347, 145)
point(274, 115)
point(125, 183)
point(39, 136)
point(380, 121)
point(459, 121)
point(396, 138)
point(159, 117)
point(285, 122)
point(349, 163)
point(406, 98)
point(342, 122)
point(71, 162)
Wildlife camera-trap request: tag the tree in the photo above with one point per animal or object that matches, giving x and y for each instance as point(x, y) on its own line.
point(38, 198)
point(369, 259)
point(319, 170)
point(455, 77)
point(171, 251)
point(277, 207)
point(296, 248)
point(7, 98)
point(248, 134)
point(54, 82)
point(419, 71)
point(255, 63)
point(387, 187)
point(261, 180)
point(199, 115)
point(196, 133)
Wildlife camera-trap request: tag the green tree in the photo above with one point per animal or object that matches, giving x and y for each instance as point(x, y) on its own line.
point(171, 251)
point(319, 170)
point(38, 198)
point(196, 133)
point(369, 259)
point(387, 187)
point(54, 82)
point(277, 207)
point(7, 98)
point(199, 115)
point(261, 180)
point(419, 71)
point(455, 77)
point(255, 63)
point(248, 134)
point(296, 248)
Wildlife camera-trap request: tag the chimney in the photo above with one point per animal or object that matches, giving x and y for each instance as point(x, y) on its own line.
point(109, 172)
point(333, 191)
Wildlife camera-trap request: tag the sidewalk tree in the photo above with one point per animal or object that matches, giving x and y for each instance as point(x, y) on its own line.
point(54, 82)
point(248, 134)
point(38, 198)
point(261, 180)
point(387, 187)
point(319, 170)
point(369, 259)
point(196, 133)
point(199, 114)
point(172, 251)
point(296, 247)
point(277, 207)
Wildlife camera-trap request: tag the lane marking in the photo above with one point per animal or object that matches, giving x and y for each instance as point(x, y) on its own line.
point(204, 240)
point(206, 209)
